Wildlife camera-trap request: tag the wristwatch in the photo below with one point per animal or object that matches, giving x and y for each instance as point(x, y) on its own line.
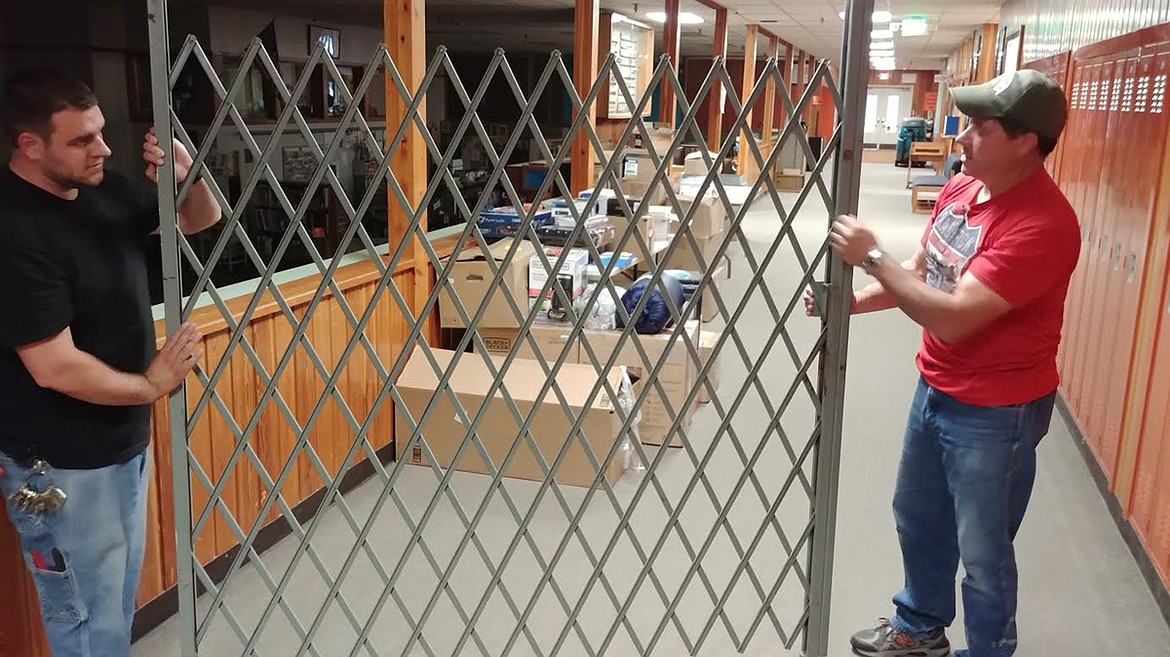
point(872, 260)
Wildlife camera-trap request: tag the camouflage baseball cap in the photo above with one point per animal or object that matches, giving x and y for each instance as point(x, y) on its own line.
point(1029, 99)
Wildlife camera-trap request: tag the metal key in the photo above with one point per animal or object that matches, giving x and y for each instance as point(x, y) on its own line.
point(28, 499)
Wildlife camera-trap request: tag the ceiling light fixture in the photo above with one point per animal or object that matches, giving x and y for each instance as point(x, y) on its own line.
point(684, 18)
point(881, 45)
point(882, 17)
point(881, 34)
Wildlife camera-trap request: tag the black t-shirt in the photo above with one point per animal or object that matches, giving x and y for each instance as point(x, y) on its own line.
point(79, 264)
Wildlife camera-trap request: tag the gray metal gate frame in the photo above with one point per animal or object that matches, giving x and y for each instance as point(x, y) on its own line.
point(846, 144)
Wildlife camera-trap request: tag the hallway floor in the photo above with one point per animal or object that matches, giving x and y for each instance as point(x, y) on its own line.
point(1081, 592)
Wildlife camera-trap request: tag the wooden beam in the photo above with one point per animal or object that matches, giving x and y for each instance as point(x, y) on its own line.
point(671, 35)
point(585, 27)
point(715, 102)
point(405, 29)
point(770, 98)
point(986, 69)
point(747, 164)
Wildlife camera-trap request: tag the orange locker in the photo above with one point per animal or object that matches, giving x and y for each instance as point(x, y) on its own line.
point(1140, 199)
point(1149, 502)
point(1071, 172)
point(1085, 329)
point(1110, 332)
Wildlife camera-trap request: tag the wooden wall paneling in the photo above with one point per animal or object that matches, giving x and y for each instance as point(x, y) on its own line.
point(1141, 399)
point(357, 370)
point(245, 397)
point(200, 448)
point(164, 476)
point(1115, 335)
point(273, 335)
point(1140, 185)
point(309, 387)
point(21, 630)
point(222, 442)
point(151, 585)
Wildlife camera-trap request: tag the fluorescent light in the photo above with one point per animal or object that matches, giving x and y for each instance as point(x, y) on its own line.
point(881, 34)
point(884, 65)
point(881, 45)
point(912, 27)
point(882, 17)
point(684, 18)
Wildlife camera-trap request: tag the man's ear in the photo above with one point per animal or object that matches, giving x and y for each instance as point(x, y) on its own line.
point(31, 145)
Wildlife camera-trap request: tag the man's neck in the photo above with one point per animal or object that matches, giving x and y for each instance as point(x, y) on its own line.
point(1005, 181)
point(34, 176)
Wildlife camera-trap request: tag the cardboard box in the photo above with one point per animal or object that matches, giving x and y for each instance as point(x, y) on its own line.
point(637, 189)
point(706, 346)
point(573, 267)
point(710, 309)
point(676, 376)
point(471, 277)
point(645, 229)
point(444, 430)
point(550, 339)
point(790, 180)
point(709, 220)
point(685, 257)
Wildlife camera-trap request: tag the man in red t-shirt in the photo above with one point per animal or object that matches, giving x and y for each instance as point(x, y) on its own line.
point(988, 287)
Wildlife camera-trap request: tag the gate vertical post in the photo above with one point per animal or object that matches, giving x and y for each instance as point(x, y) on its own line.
point(160, 63)
point(847, 181)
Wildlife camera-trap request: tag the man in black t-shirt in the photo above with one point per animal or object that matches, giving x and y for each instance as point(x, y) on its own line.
point(78, 366)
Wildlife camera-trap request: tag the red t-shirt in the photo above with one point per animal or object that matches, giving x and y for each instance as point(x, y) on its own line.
point(1023, 245)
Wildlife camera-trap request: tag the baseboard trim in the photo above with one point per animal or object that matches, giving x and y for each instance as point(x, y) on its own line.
point(161, 609)
point(1128, 533)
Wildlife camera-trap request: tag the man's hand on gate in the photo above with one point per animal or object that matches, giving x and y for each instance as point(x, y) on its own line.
point(852, 240)
point(154, 156)
point(175, 360)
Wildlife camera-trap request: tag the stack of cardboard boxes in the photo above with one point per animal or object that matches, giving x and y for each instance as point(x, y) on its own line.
point(675, 367)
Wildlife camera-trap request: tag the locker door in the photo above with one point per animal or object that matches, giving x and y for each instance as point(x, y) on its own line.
point(1096, 198)
point(1151, 309)
point(1119, 202)
point(1070, 171)
point(1083, 145)
point(1150, 500)
point(1109, 257)
point(1141, 183)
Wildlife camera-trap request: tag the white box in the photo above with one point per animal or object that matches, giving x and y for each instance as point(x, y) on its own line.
point(574, 266)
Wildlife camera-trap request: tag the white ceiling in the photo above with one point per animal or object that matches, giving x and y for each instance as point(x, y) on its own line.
point(814, 26)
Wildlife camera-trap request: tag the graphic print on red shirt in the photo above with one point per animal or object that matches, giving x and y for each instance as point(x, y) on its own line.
point(1023, 245)
point(950, 245)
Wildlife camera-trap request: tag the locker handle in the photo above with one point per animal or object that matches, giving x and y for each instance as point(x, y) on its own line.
point(1131, 267)
point(1115, 256)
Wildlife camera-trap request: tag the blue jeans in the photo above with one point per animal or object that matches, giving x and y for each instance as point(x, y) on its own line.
point(963, 485)
point(87, 594)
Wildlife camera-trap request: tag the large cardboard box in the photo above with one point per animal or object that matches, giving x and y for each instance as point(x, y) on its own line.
point(685, 256)
point(444, 430)
point(676, 376)
point(471, 277)
point(645, 229)
point(550, 338)
point(710, 218)
point(651, 194)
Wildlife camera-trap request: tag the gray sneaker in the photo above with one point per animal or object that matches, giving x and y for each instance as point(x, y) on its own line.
point(885, 641)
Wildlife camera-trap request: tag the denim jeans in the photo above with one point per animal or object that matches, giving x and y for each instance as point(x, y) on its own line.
point(963, 486)
point(87, 593)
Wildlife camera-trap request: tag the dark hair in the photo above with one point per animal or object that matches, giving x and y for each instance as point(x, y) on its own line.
point(31, 97)
point(1046, 145)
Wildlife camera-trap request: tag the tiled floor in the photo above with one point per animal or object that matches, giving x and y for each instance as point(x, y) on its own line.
point(1081, 593)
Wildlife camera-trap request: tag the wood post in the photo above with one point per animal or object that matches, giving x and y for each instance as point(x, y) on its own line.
point(715, 102)
point(585, 28)
point(671, 36)
point(748, 167)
